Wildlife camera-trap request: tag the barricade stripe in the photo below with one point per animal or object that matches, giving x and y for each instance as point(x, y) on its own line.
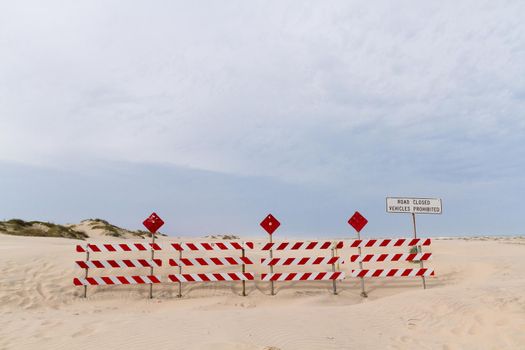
point(121, 247)
point(390, 257)
point(303, 276)
point(210, 261)
point(103, 264)
point(392, 272)
point(211, 277)
point(115, 280)
point(301, 245)
point(301, 261)
point(212, 246)
point(400, 242)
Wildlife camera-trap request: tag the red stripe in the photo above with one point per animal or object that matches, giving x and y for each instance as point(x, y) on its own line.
point(80, 249)
point(173, 278)
point(287, 261)
point(201, 261)
point(221, 246)
point(154, 279)
point(370, 243)
point(189, 277)
point(138, 279)
point(305, 276)
point(107, 280)
point(94, 248)
point(92, 281)
point(111, 263)
point(326, 245)
point(426, 256)
point(144, 263)
point(249, 245)
point(427, 241)
point(317, 260)
point(413, 241)
point(204, 277)
point(421, 272)
point(267, 246)
point(234, 276)
point(367, 258)
point(263, 275)
point(231, 260)
point(311, 245)
point(155, 246)
point(192, 246)
point(339, 245)
point(97, 264)
point(176, 246)
point(172, 262)
point(76, 282)
point(246, 261)
point(206, 246)
point(282, 246)
point(123, 246)
point(320, 276)
point(82, 264)
point(236, 245)
point(290, 276)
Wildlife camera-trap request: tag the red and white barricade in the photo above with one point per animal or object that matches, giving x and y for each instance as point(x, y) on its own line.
point(117, 264)
point(332, 260)
point(394, 257)
point(181, 262)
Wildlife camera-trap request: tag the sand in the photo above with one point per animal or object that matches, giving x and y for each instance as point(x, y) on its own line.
point(476, 301)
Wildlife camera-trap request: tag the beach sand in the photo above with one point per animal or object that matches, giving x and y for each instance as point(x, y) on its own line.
point(475, 301)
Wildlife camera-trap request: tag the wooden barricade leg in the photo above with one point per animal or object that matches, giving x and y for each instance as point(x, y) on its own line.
point(334, 286)
point(419, 249)
point(180, 272)
point(87, 269)
point(243, 271)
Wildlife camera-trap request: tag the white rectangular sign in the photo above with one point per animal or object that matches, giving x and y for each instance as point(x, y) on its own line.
point(413, 205)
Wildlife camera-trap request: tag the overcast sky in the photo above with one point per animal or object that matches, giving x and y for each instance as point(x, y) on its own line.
point(215, 113)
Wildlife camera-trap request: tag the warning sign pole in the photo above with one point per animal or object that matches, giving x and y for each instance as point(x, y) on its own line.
point(87, 269)
point(418, 249)
point(152, 263)
point(358, 222)
point(270, 224)
point(152, 223)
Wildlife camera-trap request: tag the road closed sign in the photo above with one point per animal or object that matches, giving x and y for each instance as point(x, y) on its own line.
point(413, 205)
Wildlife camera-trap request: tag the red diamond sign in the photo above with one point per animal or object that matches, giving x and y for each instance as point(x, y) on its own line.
point(153, 223)
point(358, 221)
point(270, 224)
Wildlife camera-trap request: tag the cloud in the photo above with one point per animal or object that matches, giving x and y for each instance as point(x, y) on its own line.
point(404, 94)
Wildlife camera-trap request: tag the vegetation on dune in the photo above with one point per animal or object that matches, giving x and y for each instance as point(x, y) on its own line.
point(18, 227)
point(115, 231)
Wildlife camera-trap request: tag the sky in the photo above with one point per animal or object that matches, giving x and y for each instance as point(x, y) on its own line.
point(214, 114)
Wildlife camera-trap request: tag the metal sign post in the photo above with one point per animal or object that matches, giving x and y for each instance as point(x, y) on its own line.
point(270, 224)
point(418, 249)
point(152, 223)
point(414, 206)
point(243, 271)
point(358, 222)
point(87, 269)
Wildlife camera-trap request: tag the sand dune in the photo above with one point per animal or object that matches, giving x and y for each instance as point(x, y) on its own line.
point(476, 301)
